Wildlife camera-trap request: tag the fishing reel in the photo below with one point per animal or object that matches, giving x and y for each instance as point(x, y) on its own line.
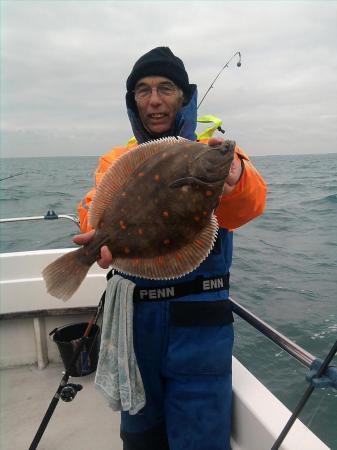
point(69, 391)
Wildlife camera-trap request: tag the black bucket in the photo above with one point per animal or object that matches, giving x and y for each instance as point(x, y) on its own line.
point(68, 339)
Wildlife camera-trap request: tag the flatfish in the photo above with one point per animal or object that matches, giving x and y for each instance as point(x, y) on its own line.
point(154, 209)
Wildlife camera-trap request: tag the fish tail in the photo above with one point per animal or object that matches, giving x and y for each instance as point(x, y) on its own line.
point(64, 276)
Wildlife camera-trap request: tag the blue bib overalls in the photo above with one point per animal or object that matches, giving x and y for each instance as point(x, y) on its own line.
point(185, 357)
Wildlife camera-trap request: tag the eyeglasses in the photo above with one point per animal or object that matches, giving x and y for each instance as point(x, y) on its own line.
point(163, 90)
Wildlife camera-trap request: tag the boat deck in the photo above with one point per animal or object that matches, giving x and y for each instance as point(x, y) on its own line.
point(85, 423)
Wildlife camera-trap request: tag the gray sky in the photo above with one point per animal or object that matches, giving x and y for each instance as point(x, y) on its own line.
point(64, 66)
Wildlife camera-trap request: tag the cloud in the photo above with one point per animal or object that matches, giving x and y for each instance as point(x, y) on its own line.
point(64, 66)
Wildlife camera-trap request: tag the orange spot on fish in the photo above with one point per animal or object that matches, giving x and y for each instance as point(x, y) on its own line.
point(209, 193)
point(122, 225)
point(197, 218)
point(157, 177)
point(167, 241)
point(204, 213)
point(166, 214)
point(140, 231)
point(127, 250)
point(141, 174)
point(135, 261)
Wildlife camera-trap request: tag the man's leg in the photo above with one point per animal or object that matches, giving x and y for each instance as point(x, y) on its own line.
point(198, 413)
point(154, 439)
point(198, 396)
point(146, 430)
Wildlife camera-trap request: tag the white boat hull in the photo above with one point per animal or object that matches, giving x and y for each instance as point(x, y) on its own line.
point(28, 314)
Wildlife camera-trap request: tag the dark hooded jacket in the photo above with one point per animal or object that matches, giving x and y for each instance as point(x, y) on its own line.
point(184, 126)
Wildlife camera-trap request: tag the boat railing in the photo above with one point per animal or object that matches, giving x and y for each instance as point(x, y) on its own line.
point(50, 215)
point(275, 336)
point(267, 330)
point(286, 344)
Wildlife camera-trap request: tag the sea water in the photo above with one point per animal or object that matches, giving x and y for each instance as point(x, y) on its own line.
point(284, 267)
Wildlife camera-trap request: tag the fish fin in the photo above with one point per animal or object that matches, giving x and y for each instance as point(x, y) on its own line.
point(117, 174)
point(175, 264)
point(64, 276)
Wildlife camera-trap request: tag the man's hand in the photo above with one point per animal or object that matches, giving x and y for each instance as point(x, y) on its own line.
point(106, 258)
point(235, 170)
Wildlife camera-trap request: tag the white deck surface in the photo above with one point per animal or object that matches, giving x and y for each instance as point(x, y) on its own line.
point(86, 423)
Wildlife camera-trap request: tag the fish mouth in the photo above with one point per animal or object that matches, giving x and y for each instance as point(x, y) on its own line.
point(213, 165)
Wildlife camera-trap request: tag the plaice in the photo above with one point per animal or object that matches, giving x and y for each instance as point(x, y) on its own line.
point(154, 208)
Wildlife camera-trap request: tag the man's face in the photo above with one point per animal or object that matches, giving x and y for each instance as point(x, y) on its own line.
point(158, 100)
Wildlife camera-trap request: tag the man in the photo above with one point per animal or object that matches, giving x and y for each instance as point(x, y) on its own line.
point(183, 344)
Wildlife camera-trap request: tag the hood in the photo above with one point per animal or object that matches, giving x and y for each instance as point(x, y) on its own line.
point(184, 126)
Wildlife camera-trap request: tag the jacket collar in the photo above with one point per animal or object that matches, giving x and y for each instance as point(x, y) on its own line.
point(185, 123)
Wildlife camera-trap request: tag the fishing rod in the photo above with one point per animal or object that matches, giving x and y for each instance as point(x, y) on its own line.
point(307, 393)
point(320, 373)
point(222, 68)
point(18, 174)
point(12, 176)
point(67, 391)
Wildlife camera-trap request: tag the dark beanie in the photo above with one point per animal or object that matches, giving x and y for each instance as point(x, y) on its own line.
point(159, 62)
